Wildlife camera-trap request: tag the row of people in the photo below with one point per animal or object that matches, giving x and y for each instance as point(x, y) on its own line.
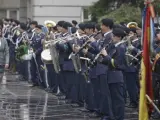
point(105, 80)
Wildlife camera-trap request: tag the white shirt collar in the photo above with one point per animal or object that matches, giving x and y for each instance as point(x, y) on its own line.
point(33, 29)
point(64, 34)
point(117, 44)
point(107, 33)
point(135, 40)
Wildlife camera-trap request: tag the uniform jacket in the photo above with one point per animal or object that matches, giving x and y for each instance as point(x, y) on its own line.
point(115, 60)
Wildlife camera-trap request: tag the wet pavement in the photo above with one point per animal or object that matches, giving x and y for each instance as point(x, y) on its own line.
point(20, 102)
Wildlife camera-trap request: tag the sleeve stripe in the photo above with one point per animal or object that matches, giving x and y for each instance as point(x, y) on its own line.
point(112, 62)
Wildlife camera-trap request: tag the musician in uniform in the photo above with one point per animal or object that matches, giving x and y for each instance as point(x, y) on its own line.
point(59, 28)
point(81, 78)
point(90, 74)
point(156, 73)
point(114, 59)
point(14, 35)
point(102, 70)
point(131, 72)
point(31, 33)
point(51, 75)
point(21, 48)
point(74, 23)
point(37, 74)
point(98, 32)
point(69, 75)
point(60, 77)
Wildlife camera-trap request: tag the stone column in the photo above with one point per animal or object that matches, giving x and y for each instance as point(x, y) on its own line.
point(23, 10)
point(29, 9)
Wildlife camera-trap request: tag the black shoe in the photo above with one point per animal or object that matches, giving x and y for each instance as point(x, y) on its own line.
point(68, 102)
point(34, 85)
point(95, 115)
point(132, 105)
point(49, 90)
point(59, 94)
point(86, 110)
point(61, 97)
point(75, 105)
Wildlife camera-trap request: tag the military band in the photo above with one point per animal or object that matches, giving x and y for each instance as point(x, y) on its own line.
point(90, 66)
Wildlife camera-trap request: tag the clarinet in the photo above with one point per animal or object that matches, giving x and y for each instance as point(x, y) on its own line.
point(106, 46)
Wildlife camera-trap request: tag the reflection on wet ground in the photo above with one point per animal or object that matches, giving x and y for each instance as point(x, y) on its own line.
point(20, 102)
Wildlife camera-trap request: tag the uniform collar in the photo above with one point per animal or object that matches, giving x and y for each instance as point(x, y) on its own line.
point(105, 34)
point(33, 29)
point(118, 43)
point(14, 27)
point(64, 34)
point(135, 40)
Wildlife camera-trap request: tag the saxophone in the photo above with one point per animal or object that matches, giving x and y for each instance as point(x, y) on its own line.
point(128, 55)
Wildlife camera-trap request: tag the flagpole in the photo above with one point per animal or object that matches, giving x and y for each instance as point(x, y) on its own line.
point(151, 102)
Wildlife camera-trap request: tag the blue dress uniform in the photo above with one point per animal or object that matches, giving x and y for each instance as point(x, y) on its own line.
point(69, 75)
point(37, 48)
point(81, 77)
point(14, 35)
point(115, 60)
point(131, 76)
point(101, 72)
point(60, 77)
point(22, 64)
point(89, 87)
point(103, 104)
point(53, 78)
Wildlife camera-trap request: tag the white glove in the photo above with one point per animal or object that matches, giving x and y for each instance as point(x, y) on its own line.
point(34, 55)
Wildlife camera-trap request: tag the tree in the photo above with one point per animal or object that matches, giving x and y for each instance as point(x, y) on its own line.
point(126, 13)
point(104, 7)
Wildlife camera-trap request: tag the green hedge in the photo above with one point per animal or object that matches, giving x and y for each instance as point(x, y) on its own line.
point(126, 13)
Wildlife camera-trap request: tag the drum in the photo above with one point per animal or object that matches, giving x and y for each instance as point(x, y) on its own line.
point(46, 56)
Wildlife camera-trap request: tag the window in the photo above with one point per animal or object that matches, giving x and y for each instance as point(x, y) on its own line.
point(3, 13)
point(13, 14)
point(86, 15)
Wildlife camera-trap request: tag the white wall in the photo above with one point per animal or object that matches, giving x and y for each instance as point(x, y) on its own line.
point(9, 4)
point(56, 10)
point(64, 2)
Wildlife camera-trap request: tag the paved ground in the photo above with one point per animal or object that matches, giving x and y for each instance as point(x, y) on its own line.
point(20, 102)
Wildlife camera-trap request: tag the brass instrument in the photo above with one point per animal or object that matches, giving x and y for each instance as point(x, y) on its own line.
point(49, 23)
point(129, 57)
point(45, 55)
point(75, 57)
point(53, 53)
point(132, 25)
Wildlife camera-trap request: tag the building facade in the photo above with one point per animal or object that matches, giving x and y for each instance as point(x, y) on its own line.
point(15, 9)
point(42, 10)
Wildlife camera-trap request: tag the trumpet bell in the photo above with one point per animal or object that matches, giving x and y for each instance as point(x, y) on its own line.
point(49, 23)
point(132, 25)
